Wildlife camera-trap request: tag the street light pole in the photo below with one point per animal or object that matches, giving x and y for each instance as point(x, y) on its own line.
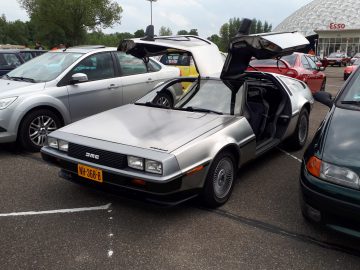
point(151, 1)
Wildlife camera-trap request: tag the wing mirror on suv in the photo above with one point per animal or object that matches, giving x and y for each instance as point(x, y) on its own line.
point(79, 78)
point(324, 98)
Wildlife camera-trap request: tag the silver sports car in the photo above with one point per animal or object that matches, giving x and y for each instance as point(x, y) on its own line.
point(195, 147)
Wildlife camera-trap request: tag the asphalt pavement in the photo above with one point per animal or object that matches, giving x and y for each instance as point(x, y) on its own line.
point(49, 223)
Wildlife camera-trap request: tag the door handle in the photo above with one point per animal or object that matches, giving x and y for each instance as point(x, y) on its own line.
point(112, 86)
point(149, 80)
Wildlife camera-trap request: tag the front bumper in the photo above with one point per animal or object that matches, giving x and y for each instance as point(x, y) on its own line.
point(336, 207)
point(172, 192)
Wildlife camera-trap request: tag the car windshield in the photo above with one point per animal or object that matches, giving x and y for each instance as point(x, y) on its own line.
point(351, 96)
point(357, 55)
point(336, 55)
point(357, 62)
point(290, 59)
point(45, 67)
point(206, 95)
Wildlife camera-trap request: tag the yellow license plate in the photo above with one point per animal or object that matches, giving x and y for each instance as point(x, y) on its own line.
point(90, 173)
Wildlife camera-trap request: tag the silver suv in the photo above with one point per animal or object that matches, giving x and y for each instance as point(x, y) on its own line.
point(64, 86)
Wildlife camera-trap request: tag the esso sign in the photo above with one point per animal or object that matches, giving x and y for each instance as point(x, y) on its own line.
point(337, 26)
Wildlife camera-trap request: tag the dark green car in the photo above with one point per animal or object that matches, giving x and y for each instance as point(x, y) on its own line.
point(330, 183)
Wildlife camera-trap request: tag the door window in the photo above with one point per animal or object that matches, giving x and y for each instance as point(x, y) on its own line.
point(305, 63)
point(97, 67)
point(9, 60)
point(312, 63)
point(130, 65)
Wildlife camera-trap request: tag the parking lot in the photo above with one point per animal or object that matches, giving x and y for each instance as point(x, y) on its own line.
point(49, 223)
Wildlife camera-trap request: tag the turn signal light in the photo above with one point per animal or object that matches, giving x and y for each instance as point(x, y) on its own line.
point(195, 170)
point(138, 182)
point(314, 166)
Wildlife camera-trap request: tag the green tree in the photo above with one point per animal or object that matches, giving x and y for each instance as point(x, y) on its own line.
point(224, 37)
point(215, 39)
point(182, 32)
point(71, 19)
point(259, 27)
point(165, 31)
point(139, 33)
point(253, 26)
point(193, 32)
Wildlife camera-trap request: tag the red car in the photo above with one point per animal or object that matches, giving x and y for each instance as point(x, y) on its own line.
point(338, 59)
point(298, 66)
point(350, 69)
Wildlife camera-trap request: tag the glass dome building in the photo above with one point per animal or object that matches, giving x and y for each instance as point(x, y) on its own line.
point(332, 25)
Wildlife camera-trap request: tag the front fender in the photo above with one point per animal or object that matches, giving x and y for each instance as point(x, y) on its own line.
point(32, 102)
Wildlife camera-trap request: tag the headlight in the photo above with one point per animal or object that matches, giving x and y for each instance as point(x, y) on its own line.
point(153, 166)
point(63, 145)
point(6, 102)
point(52, 142)
point(339, 175)
point(332, 173)
point(135, 162)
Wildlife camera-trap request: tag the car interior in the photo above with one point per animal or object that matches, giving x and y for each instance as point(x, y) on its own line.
point(267, 109)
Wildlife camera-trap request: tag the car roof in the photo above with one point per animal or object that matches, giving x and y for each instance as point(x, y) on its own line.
point(85, 49)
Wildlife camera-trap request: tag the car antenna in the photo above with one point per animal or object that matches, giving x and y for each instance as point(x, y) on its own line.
point(149, 33)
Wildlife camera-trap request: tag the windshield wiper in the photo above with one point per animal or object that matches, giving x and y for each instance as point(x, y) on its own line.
point(22, 79)
point(195, 109)
point(150, 104)
point(351, 102)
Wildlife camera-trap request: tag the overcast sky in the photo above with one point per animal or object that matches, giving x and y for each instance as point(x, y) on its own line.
point(205, 15)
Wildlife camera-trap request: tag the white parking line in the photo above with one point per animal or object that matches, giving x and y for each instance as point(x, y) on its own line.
point(59, 211)
point(290, 155)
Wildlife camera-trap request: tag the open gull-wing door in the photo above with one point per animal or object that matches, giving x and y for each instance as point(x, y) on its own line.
point(206, 55)
point(261, 46)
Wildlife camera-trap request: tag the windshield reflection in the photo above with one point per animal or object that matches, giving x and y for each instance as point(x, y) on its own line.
point(45, 67)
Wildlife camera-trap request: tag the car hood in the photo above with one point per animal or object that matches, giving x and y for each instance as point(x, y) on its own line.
point(342, 145)
point(15, 88)
point(146, 127)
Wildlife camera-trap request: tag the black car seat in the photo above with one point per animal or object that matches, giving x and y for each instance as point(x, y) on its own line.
point(258, 110)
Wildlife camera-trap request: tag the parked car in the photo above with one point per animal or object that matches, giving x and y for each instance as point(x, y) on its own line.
point(330, 184)
point(171, 154)
point(28, 54)
point(64, 86)
point(350, 69)
point(338, 59)
point(296, 65)
point(9, 60)
point(318, 61)
point(354, 58)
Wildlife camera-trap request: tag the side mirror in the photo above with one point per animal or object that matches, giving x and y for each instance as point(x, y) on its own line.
point(324, 98)
point(322, 68)
point(79, 78)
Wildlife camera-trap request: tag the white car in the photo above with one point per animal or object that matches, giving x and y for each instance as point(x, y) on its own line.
point(64, 86)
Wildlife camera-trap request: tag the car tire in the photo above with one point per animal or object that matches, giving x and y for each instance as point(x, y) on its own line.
point(220, 180)
point(35, 127)
point(164, 99)
point(298, 139)
point(323, 85)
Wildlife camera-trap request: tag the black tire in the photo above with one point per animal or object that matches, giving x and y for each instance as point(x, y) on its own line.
point(298, 139)
point(323, 85)
point(34, 128)
point(220, 180)
point(164, 99)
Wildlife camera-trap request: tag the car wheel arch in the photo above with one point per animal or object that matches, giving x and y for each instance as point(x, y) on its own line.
point(233, 149)
point(42, 107)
